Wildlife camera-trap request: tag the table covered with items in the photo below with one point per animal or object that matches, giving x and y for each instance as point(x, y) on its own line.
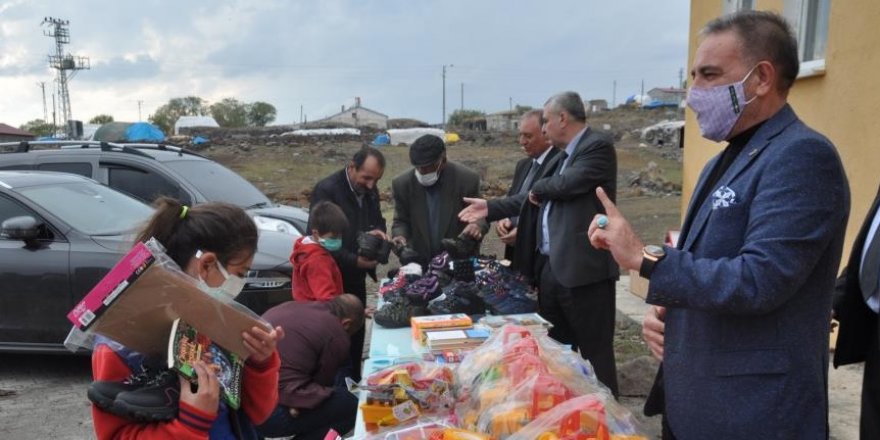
point(458, 353)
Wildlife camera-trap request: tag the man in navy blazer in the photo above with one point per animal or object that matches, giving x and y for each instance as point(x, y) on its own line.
point(746, 295)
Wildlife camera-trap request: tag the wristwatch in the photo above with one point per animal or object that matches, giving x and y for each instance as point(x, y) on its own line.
point(651, 254)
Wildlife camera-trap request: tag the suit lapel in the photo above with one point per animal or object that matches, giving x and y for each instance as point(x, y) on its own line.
point(747, 156)
point(447, 200)
point(519, 176)
point(419, 209)
point(855, 259)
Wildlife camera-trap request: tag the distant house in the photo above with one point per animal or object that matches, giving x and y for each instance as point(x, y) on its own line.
point(503, 121)
point(666, 96)
point(358, 116)
point(11, 134)
point(194, 121)
point(596, 105)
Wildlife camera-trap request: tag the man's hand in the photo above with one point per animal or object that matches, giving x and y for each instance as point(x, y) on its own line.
point(379, 233)
point(617, 236)
point(363, 263)
point(477, 209)
point(533, 199)
point(473, 230)
point(399, 241)
point(502, 227)
point(653, 328)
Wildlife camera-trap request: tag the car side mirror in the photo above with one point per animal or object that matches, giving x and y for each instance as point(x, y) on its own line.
point(25, 228)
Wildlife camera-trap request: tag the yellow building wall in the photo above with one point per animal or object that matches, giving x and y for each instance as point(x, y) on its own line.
point(843, 104)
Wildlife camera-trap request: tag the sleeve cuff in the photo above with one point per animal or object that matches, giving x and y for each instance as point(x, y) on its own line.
point(195, 419)
point(272, 362)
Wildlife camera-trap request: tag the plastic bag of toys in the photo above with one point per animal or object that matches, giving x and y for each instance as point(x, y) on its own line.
point(588, 417)
point(427, 430)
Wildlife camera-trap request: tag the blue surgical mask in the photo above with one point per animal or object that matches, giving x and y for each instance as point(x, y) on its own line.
point(226, 292)
point(331, 244)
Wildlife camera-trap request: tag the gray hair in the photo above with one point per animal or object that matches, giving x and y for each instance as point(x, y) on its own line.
point(533, 114)
point(569, 102)
point(348, 306)
point(763, 36)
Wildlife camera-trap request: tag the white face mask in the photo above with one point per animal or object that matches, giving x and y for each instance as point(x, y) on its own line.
point(226, 292)
point(427, 179)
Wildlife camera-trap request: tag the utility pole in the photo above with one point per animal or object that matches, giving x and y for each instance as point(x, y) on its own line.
point(681, 78)
point(443, 123)
point(510, 103)
point(54, 124)
point(63, 62)
point(42, 86)
point(462, 96)
point(642, 95)
point(301, 120)
point(614, 95)
point(140, 102)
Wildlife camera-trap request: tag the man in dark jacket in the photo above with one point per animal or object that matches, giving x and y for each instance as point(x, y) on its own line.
point(315, 346)
point(428, 196)
point(354, 190)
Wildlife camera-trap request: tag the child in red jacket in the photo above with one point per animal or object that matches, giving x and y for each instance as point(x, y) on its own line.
point(316, 277)
point(216, 243)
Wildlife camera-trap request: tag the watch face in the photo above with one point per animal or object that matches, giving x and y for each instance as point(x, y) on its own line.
point(655, 250)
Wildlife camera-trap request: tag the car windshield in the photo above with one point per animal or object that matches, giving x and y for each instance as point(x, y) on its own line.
point(218, 183)
point(89, 207)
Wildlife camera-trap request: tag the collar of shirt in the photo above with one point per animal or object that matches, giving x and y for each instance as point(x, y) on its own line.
point(348, 179)
point(569, 149)
point(540, 159)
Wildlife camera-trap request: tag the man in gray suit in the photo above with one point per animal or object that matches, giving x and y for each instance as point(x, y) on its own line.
point(428, 196)
point(746, 294)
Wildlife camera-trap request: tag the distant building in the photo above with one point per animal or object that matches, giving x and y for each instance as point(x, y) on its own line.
point(11, 134)
point(666, 96)
point(503, 121)
point(596, 105)
point(358, 116)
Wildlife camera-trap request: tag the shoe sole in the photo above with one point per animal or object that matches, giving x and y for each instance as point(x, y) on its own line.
point(100, 400)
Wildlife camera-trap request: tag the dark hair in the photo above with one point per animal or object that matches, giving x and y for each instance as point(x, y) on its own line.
point(367, 151)
point(569, 102)
point(533, 114)
point(348, 306)
point(327, 217)
point(763, 36)
point(215, 227)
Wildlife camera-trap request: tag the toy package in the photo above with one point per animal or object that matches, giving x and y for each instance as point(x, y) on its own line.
point(427, 430)
point(588, 417)
point(405, 392)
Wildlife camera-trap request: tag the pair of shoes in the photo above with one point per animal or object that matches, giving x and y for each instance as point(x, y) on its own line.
point(145, 396)
point(373, 248)
point(407, 255)
point(463, 246)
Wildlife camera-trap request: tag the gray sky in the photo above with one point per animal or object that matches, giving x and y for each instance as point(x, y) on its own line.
point(323, 54)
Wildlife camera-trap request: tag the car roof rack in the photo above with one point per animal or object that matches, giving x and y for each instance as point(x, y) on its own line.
point(132, 148)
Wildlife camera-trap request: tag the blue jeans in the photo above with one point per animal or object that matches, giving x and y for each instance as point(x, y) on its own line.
point(337, 412)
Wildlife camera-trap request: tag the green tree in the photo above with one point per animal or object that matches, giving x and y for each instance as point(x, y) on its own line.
point(260, 114)
point(39, 127)
point(230, 112)
point(166, 115)
point(520, 109)
point(458, 117)
point(101, 119)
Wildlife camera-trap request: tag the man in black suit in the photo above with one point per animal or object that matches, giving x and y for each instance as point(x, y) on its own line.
point(427, 197)
point(856, 302)
point(540, 154)
point(576, 281)
point(353, 189)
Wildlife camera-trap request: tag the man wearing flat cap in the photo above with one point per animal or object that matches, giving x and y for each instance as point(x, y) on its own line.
point(428, 197)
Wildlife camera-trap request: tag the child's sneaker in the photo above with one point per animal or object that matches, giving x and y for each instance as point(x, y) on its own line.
point(103, 392)
point(155, 401)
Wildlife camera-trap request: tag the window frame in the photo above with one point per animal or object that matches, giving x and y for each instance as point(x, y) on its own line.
point(803, 15)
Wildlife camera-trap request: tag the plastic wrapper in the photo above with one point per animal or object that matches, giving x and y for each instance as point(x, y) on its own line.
point(138, 300)
point(516, 376)
point(426, 429)
point(588, 417)
point(405, 392)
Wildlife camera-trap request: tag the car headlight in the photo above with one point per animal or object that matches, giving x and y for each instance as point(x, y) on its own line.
point(274, 224)
point(266, 280)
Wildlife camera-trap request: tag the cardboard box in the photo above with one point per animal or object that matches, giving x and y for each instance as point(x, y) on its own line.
point(638, 286)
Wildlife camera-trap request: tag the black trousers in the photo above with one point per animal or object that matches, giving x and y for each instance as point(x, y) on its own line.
point(337, 412)
point(357, 287)
point(583, 317)
point(869, 425)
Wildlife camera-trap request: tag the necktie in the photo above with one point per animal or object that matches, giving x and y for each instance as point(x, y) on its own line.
point(530, 175)
point(868, 276)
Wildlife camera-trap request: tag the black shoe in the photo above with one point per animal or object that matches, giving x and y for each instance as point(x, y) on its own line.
point(463, 246)
point(103, 392)
point(155, 401)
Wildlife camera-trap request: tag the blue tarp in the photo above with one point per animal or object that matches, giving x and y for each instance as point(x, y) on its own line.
point(143, 131)
point(198, 140)
point(382, 139)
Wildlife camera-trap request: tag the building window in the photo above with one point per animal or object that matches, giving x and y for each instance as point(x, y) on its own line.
point(809, 18)
point(738, 5)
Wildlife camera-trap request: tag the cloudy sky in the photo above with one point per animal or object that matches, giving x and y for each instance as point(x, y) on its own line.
point(322, 54)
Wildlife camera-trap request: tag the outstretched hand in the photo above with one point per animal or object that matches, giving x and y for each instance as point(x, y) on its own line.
point(616, 236)
point(476, 210)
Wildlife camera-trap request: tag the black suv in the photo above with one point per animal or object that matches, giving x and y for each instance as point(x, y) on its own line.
point(146, 171)
point(61, 233)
